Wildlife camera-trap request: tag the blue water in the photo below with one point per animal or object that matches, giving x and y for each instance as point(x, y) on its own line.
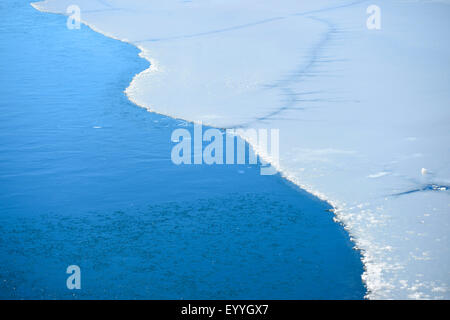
point(110, 200)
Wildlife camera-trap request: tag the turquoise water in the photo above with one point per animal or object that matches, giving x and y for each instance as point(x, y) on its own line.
point(86, 179)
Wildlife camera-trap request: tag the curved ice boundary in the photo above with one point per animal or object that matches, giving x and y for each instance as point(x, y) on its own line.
point(363, 114)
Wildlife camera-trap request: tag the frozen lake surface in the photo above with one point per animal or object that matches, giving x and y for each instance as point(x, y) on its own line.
point(361, 112)
point(86, 179)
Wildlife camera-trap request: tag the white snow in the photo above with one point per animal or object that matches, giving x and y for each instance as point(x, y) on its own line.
point(361, 112)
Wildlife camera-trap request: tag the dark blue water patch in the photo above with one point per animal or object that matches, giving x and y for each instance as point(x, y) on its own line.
point(86, 179)
point(237, 246)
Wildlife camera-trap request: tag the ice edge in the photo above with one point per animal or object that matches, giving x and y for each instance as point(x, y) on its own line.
point(338, 212)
